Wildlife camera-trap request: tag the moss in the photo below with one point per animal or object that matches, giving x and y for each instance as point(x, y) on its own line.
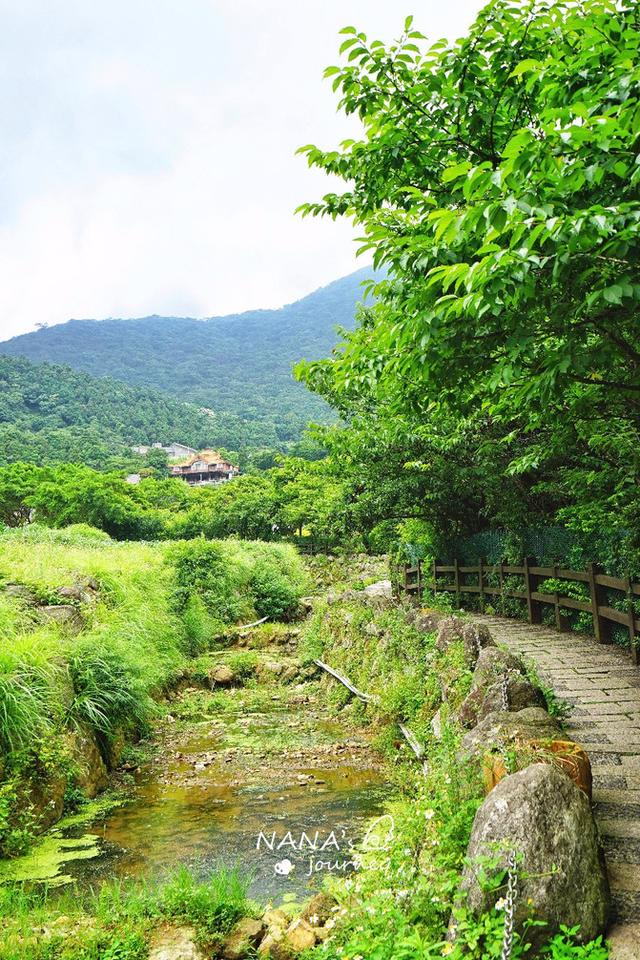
point(46, 861)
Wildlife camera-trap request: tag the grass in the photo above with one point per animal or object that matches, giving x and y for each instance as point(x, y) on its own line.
point(117, 922)
point(149, 608)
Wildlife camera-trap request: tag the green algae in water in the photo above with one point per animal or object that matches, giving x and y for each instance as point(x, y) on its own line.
point(46, 860)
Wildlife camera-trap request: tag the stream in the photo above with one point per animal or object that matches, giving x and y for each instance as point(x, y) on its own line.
point(260, 779)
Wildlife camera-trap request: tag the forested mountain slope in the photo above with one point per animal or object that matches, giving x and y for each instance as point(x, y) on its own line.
point(238, 365)
point(53, 413)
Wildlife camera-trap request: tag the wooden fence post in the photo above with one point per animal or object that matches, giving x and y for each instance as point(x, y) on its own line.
point(481, 584)
point(530, 584)
point(456, 574)
point(435, 577)
point(601, 628)
point(419, 573)
point(502, 587)
point(632, 621)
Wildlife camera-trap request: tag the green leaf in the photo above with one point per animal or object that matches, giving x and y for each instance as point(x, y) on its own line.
point(456, 171)
point(525, 66)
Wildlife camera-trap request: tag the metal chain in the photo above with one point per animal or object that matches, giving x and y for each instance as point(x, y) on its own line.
point(510, 907)
point(505, 691)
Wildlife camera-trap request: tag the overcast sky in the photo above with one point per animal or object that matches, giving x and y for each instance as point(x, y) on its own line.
point(147, 151)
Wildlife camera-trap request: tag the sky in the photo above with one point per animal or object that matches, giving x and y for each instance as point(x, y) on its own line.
point(147, 152)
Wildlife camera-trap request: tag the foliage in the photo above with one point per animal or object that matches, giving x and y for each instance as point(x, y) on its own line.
point(237, 367)
point(134, 642)
point(53, 414)
point(237, 580)
point(297, 495)
point(496, 180)
point(116, 921)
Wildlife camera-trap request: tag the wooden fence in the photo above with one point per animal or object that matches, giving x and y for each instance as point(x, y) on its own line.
point(599, 584)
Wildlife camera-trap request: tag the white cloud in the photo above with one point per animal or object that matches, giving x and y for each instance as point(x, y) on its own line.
point(147, 161)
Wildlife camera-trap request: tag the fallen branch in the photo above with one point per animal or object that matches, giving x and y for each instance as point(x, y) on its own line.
point(248, 626)
point(412, 741)
point(369, 698)
point(345, 682)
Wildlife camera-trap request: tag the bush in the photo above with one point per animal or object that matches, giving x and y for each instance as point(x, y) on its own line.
point(275, 597)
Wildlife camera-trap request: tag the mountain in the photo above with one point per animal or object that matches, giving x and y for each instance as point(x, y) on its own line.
point(51, 413)
point(239, 365)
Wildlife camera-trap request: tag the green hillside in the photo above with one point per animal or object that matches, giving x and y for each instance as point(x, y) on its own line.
point(53, 413)
point(238, 365)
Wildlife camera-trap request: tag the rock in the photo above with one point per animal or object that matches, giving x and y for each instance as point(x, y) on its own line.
point(66, 615)
point(482, 701)
point(276, 920)
point(542, 815)
point(222, 676)
point(175, 943)
point(474, 637)
point(289, 674)
point(493, 664)
point(373, 630)
point(300, 936)
point(241, 942)
point(91, 771)
point(318, 910)
point(305, 605)
point(429, 621)
point(271, 667)
point(623, 940)
point(496, 729)
point(74, 593)
point(273, 947)
point(46, 800)
point(382, 588)
point(22, 591)
point(436, 725)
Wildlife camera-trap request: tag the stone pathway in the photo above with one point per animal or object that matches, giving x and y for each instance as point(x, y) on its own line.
point(603, 688)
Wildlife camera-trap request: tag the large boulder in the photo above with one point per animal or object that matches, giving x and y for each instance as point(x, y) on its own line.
point(91, 774)
point(221, 676)
point(502, 729)
point(518, 692)
point(493, 664)
point(543, 817)
point(474, 637)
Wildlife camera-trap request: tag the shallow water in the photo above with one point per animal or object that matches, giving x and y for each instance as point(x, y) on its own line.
point(285, 833)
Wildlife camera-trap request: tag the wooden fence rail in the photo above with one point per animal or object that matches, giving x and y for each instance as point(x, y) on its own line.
point(598, 585)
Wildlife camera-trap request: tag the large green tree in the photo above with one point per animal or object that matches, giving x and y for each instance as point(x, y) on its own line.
point(497, 181)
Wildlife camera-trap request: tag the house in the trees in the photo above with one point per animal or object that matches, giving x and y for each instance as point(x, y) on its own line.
point(173, 450)
point(205, 467)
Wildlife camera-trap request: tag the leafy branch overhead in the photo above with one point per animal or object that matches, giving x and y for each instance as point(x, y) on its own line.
point(497, 182)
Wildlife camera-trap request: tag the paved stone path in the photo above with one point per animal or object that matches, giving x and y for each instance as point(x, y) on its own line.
point(603, 688)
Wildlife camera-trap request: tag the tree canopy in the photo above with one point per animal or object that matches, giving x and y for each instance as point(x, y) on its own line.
point(497, 181)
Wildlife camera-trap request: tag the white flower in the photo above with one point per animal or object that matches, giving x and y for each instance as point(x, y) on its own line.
point(429, 814)
point(501, 903)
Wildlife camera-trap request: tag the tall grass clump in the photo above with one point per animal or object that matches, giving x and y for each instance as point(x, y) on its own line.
point(26, 680)
point(105, 694)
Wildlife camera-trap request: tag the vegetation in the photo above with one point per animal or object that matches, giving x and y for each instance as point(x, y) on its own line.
point(140, 611)
point(401, 902)
point(239, 366)
point(116, 922)
point(53, 414)
point(296, 497)
point(495, 382)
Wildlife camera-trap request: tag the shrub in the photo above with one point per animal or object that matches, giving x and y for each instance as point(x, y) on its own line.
point(275, 597)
